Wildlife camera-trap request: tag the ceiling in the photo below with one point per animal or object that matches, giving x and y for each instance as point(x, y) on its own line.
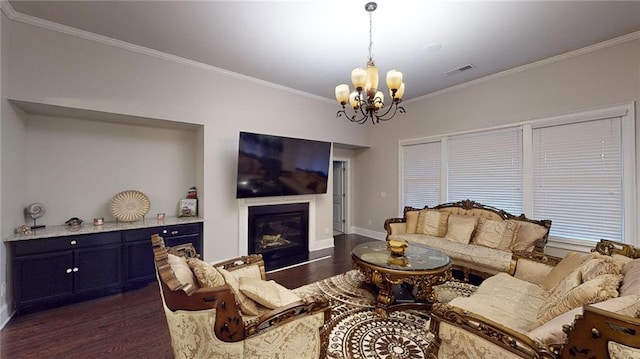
point(311, 46)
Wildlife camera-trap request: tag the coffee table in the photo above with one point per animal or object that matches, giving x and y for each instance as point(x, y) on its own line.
point(416, 272)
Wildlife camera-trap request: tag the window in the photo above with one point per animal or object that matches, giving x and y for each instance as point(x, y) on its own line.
point(577, 179)
point(577, 170)
point(486, 167)
point(421, 174)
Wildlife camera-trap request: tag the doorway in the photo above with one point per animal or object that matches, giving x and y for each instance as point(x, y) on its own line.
point(339, 197)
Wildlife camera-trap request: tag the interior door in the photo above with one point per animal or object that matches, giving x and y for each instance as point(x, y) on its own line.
point(339, 196)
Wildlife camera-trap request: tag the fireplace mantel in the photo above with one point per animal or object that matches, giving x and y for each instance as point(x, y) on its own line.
point(243, 217)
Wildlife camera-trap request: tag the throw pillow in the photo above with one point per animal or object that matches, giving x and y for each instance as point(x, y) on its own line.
point(527, 234)
point(460, 228)
point(596, 290)
point(181, 269)
point(597, 265)
point(264, 292)
point(572, 280)
point(247, 305)
point(570, 262)
point(631, 279)
point(496, 234)
point(412, 221)
point(435, 223)
point(205, 273)
point(421, 218)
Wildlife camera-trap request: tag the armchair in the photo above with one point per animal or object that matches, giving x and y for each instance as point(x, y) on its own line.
point(208, 322)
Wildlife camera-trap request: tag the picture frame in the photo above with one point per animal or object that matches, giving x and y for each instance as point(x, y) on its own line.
point(188, 207)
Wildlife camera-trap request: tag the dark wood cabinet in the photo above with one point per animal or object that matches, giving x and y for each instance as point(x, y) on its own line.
point(139, 266)
point(61, 269)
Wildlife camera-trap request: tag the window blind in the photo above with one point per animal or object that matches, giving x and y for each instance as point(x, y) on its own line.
point(577, 179)
point(421, 174)
point(486, 167)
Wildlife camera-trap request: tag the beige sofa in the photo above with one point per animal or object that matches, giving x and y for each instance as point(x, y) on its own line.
point(479, 239)
point(522, 316)
point(229, 310)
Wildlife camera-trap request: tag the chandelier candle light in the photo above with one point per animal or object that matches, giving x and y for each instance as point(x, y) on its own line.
point(366, 100)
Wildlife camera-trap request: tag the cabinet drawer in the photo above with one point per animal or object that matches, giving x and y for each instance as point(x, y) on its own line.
point(163, 231)
point(65, 243)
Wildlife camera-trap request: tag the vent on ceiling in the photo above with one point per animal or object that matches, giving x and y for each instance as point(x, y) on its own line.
point(459, 69)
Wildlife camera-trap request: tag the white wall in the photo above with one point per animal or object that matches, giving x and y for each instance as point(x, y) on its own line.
point(75, 167)
point(607, 76)
point(48, 67)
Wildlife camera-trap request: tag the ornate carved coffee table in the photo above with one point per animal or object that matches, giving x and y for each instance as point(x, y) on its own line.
point(417, 271)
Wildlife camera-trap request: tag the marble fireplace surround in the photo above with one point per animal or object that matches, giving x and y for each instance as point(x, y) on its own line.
point(243, 217)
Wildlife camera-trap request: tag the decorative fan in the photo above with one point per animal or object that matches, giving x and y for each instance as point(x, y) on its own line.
point(129, 206)
point(35, 211)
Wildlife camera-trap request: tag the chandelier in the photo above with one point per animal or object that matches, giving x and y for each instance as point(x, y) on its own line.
point(367, 102)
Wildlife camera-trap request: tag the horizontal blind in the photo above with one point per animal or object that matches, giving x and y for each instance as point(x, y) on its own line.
point(577, 179)
point(486, 167)
point(421, 174)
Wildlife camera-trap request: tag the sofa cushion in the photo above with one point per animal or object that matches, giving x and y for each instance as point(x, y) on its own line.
point(551, 332)
point(506, 300)
point(247, 305)
point(569, 263)
point(495, 233)
point(268, 293)
point(181, 270)
point(205, 273)
point(460, 228)
point(527, 234)
point(631, 279)
point(412, 221)
point(491, 259)
point(596, 290)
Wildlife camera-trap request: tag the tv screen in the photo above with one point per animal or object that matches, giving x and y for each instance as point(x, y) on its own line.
point(281, 166)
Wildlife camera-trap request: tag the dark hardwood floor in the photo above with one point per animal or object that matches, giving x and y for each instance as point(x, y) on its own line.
point(132, 324)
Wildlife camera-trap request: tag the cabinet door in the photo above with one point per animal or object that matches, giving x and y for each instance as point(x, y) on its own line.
point(97, 268)
point(138, 262)
point(43, 277)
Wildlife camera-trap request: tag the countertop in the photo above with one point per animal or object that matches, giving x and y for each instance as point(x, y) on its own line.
point(89, 228)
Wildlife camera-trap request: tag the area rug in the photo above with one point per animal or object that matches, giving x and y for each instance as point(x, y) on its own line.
point(355, 331)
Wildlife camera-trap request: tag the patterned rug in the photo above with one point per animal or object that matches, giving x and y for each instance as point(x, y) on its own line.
point(355, 331)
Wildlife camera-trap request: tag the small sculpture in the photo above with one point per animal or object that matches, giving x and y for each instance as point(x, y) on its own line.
point(35, 211)
point(74, 222)
point(397, 247)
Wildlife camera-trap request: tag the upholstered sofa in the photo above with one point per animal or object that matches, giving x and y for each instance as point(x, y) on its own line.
point(479, 239)
point(530, 314)
point(229, 310)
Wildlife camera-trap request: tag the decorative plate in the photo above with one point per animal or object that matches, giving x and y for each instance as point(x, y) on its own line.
point(129, 206)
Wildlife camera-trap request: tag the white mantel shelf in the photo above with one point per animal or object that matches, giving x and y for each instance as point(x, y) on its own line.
point(88, 228)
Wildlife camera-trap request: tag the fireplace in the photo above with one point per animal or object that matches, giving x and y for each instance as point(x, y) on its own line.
point(280, 233)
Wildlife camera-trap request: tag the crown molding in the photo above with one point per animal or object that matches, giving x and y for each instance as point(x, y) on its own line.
point(8, 10)
point(534, 65)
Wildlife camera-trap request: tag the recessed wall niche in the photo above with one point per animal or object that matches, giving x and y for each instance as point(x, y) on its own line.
point(76, 165)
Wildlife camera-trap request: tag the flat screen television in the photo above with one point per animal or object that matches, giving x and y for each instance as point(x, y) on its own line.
point(281, 166)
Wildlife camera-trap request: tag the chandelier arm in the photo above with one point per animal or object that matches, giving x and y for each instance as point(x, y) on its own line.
point(396, 109)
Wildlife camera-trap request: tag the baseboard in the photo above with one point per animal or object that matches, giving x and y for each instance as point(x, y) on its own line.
point(5, 316)
point(369, 233)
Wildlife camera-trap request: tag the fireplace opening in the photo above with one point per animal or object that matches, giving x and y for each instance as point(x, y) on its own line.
point(280, 233)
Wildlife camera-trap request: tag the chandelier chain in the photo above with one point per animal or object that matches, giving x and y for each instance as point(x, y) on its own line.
point(370, 37)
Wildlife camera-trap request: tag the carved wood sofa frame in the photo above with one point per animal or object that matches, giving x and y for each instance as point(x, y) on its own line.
point(469, 205)
point(589, 334)
point(229, 325)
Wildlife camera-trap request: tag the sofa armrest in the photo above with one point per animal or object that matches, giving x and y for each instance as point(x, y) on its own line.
point(596, 330)
point(395, 226)
point(305, 307)
point(492, 334)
